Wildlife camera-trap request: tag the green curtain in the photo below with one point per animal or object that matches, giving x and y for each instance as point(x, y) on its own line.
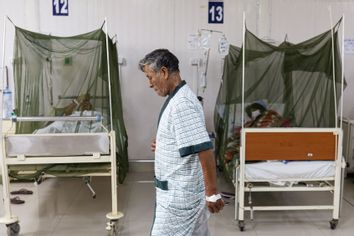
point(51, 71)
point(295, 80)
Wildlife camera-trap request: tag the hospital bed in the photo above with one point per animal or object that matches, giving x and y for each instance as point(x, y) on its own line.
point(285, 157)
point(60, 148)
point(303, 154)
point(52, 73)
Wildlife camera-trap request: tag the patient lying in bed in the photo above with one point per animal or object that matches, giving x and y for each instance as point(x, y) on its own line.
point(79, 107)
point(260, 117)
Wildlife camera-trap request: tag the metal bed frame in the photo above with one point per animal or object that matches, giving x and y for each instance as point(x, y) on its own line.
point(243, 185)
point(44, 153)
point(66, 156)
point(282, 151)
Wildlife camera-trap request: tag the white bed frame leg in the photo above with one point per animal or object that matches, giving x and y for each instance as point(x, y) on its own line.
point(11, 221)
point(241, 188)
point(336, 194)
point(8, 217)
point(115, 215)
point(241, 195)
point(236, 184)
point(337, 183)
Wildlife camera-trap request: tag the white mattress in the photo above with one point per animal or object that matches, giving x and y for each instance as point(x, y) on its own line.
point(292, 170)
point(57, 144)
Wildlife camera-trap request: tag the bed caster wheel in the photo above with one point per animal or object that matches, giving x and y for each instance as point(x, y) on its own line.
point(13, 229)
point(241, 225)
point(39, 179)
point(112, 228)
point(333, 223)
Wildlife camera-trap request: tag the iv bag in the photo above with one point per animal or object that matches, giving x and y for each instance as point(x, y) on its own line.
point(205, 40)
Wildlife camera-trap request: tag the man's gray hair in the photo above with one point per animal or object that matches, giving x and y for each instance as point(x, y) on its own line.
point(160, 58)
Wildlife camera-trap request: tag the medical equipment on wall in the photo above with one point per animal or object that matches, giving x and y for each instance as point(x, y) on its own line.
point(223, 46)
point(202, 42)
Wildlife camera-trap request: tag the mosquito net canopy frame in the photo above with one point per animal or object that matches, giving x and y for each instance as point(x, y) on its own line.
point(296, 81)
point(50, 72)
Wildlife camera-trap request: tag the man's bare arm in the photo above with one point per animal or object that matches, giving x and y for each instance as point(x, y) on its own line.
point(207, 161)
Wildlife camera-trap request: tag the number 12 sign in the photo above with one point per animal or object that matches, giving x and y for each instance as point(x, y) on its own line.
point(216, 13)
point(60, 7)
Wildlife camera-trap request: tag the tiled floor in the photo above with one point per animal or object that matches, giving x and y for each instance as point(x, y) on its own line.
point(65, 207)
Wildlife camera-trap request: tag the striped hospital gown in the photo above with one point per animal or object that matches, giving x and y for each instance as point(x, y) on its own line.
point(180, 136)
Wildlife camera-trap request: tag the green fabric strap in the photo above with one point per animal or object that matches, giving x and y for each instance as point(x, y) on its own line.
point(161, 184)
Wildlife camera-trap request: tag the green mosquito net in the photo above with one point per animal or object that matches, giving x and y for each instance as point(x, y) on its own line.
point(289, 85)
point(50, 72)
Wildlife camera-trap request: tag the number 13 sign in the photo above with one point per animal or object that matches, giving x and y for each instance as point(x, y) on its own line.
point(60, 7)
point(216, 13)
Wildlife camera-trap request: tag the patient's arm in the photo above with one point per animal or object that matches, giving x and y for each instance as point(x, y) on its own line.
point(85, 105)
point(82, 103)
point(69, 109)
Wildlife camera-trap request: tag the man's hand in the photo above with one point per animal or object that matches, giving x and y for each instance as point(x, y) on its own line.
point(153, 145)
point(215, 207)
point(207, 162)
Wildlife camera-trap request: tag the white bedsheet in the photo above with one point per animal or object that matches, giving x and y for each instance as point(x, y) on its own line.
point(292, 170)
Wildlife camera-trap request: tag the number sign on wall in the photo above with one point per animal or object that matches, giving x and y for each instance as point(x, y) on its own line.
point(60, 7)
point(216, 13)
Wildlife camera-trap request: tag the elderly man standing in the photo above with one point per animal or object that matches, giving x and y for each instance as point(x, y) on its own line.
point(185, 173)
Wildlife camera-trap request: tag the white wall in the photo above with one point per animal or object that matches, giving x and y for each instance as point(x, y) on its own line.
point(143, 25)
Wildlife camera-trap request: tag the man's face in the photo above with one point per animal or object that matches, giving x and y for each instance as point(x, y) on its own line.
point(157, 80)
